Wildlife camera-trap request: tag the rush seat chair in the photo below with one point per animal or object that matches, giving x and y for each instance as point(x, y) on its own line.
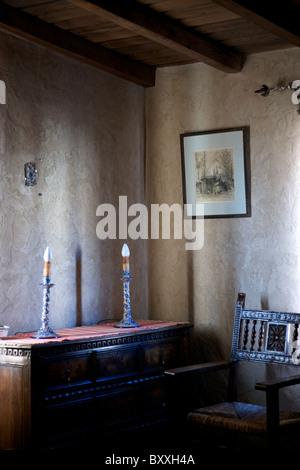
point(258, 336)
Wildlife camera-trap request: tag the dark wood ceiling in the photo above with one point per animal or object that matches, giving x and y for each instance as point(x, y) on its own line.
point(131, 39)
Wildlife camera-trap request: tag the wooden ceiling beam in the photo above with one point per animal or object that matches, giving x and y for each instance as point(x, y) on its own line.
point(159, 28)
point(276, 17)
point(26, 26)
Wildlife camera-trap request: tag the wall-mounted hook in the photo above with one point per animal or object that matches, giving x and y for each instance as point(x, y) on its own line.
point(30, 174)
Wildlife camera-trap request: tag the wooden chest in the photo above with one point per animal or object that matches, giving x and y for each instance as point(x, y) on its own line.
point(91, 381)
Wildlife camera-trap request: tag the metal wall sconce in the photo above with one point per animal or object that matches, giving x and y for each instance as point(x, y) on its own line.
point(30, 174)
point(294, 86)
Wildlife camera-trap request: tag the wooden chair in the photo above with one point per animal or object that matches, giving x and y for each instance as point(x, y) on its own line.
point(260, 336)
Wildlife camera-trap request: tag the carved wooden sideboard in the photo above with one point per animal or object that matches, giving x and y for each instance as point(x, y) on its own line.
point(90, 381)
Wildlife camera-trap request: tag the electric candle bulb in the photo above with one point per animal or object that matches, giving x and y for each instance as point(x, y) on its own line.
point(125, 256)
point(47, 262)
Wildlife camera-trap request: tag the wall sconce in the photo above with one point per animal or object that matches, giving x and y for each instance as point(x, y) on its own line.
point(294, 86)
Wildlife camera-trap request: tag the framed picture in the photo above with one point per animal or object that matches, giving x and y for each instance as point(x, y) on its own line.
point(216, 172)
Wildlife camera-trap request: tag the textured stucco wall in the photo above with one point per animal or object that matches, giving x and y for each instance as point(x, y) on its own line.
point(259, 255)
point(85, 131)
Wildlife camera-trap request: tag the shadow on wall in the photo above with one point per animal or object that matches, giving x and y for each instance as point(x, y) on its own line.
point(78, 287)
point(205, 342)
point(204, 347)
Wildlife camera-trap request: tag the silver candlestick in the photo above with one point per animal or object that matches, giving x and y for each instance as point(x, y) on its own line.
point(45, 331)
point(127, 321)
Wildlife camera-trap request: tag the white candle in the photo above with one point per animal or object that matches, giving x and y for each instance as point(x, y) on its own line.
point(125, 257)
point(47, 262)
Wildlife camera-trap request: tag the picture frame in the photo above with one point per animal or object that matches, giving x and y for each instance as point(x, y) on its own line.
point(216, 172)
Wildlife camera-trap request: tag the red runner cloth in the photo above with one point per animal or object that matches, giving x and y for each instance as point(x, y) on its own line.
point(86, 332)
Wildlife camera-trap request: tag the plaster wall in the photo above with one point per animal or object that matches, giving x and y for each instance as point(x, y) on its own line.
point(84, 129)
point(259, 255)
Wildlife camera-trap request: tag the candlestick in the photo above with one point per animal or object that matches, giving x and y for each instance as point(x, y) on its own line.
point(45, 331)
point(127, 321)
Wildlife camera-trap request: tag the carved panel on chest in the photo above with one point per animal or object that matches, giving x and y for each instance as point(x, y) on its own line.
point(117, 361)
point(66, 369)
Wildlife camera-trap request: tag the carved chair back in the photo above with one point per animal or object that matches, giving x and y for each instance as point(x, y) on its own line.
point(265, 336)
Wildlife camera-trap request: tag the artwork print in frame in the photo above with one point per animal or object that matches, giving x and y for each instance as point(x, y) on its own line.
point(216, 172)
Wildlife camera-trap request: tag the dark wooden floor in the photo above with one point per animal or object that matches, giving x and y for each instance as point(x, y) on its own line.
point(141, 449)
point(160, 445)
